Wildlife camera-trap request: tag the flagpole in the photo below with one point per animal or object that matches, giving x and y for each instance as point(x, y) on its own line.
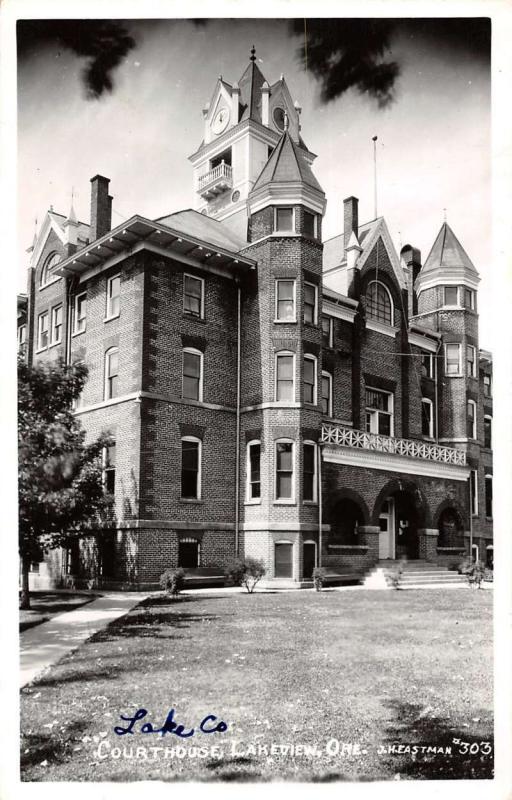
point(374, 140)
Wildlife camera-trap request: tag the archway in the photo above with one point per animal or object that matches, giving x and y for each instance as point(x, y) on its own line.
point(346, 517)
point(399, 511)
point(451, 528)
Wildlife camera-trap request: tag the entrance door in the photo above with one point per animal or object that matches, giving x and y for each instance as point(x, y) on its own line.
point(387, 529)
point(309, 559)
point(283, 560)
point(188, 553)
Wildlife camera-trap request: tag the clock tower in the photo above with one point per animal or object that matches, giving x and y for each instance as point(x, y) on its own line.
point(243, 122)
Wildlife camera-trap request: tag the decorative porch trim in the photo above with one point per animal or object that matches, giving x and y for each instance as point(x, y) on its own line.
point(388, 462)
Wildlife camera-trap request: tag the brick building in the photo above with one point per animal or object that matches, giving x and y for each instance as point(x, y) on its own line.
point(270, 394)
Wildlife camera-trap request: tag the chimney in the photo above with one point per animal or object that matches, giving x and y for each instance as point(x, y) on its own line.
point(411, 260)
point(350, 220)
point(101, 207)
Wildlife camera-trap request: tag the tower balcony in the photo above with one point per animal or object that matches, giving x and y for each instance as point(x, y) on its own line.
point(355, 440)
point(217, 180)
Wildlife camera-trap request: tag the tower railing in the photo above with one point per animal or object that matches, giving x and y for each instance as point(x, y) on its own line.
point(348, 437)
point(223, 174)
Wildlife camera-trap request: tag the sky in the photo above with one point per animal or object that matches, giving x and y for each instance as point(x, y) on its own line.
point(433, 146)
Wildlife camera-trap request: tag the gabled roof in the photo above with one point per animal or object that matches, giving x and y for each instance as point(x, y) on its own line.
point(287, 165)
point(205, 228)
point(250, 92)
point(447, 252)
point(334, 248)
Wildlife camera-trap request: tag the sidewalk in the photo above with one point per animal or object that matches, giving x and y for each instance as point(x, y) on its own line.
point(45, 644)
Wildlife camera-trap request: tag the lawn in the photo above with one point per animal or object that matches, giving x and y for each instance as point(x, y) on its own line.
point(46, 605)
point(347, 674)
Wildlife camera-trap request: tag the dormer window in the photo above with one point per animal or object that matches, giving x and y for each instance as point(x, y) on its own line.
point(284, 220)
point(278, 117)
point(379, 304)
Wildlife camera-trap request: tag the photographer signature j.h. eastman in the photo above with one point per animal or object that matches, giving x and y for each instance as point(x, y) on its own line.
point(209, 724)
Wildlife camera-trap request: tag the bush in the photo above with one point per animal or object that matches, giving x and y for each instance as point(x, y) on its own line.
point(246, 572)
point(476, 573)
point(318, 576)
point(173, 581)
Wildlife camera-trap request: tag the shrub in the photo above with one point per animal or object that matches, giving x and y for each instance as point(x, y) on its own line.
point(319, 575)
point(172, 581)
point(246, 572)
point(476, 573)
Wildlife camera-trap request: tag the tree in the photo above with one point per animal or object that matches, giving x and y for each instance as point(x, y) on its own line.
point(60, 477)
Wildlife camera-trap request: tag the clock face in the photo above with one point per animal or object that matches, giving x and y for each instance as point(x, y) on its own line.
point(220, 120)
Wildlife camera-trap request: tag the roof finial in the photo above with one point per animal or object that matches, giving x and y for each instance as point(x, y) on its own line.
point(286, 121)
point(253, 53)
point(444, 214)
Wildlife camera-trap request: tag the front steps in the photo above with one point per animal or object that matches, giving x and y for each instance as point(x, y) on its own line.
point(415, 574)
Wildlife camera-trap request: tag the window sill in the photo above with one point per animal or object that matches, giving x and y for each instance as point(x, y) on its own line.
point(54, 344)
point(310, 502)
point(196, 500)
point(489, 519)
point(41, 350)
point(381, 327)
point(453, 375)
point(195, 317)
point(252, 503)
point(109, 319)
point(50, 283)
point(285, 503)
point(310, 324)
point(77, 333)
point(285, 321)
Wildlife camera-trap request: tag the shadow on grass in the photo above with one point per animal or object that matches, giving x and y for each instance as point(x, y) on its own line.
point(409, 728)
point(145, 623)
point(36, 748)
point(75, 676)
point(227, 770)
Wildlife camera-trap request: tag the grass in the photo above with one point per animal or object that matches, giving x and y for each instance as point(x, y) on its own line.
point(364, 668)
point(46, 605)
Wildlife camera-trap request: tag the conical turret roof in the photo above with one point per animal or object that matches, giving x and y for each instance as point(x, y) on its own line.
point(286, 165)
point(447, 253)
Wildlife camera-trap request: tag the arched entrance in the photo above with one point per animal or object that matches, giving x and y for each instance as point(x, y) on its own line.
point(399, 513)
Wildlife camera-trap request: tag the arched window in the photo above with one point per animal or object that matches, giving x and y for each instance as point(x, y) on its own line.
point(46, 276)
point(379, 304)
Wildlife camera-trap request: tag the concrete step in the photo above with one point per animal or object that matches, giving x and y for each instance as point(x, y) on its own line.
point(433, 579)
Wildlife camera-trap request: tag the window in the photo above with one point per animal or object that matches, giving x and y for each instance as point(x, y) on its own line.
point(284, 220)
point(471, 419)
point(379, 305)
point(488, 431)
point(452, 359)
point(379, 412)
point(327, 332)
point(109, 468)
point(111, 373)
point(310, 292)
point(79, 313)
point(327, 394)
point(42, 331)
point(488, 496)
point(56, 335)
point(310, 224)
point(284, 471)
point(22, 336)
point(285, 384)
point(471, 361)
point(254, 471)
point(190, 468)
point(46, 275)
point(189, 553)
point(309, 473)
point(310, 379)
point(469, 298)
point(193, 296)
point(427, 417)
point(113, 293)
point(474, 492)
point(451, 295)
point(192, 374)
point(285, 301)
point(427, 365)
point(487, 386)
